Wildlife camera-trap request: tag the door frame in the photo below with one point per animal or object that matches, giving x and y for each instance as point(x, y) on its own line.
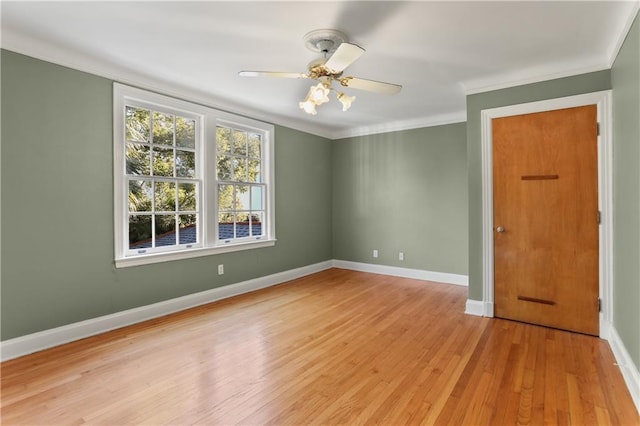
point(603, 100)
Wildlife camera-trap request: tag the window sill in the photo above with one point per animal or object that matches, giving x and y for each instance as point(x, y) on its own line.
point(147, 259)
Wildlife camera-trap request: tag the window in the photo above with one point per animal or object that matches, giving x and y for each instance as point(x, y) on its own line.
point(240, 187)
point(189, 180)
point(161, 180)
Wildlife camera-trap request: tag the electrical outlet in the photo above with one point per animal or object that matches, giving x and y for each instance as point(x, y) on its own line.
point(401, 256)
point(220, 269)
point(375, 253)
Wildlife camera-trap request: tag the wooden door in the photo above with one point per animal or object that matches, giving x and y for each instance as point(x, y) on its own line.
point(545, 204)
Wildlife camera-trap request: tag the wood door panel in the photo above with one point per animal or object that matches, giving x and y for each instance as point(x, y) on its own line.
point(545, 197)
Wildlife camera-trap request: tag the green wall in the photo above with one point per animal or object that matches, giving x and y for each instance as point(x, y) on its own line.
point(397, 191)
point(402, 191)
point(584, 83)
point(625, 79)
point(57, 207)
point(416, 191)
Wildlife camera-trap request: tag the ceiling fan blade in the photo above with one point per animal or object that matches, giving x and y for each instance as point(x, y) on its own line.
point(345, 55)
point(371, 85)
point(272, 74)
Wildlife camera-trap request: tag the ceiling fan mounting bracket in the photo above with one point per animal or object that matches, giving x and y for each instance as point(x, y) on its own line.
point(324, 41)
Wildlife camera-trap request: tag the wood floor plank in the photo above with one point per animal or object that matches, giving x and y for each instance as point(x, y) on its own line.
point(337, 347)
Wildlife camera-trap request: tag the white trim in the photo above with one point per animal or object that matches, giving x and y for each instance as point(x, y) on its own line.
point(617, 45)
point(520, 78)
point(417, 123)
point(206, 121)
point(545, 73)
point(148, 259)
point(24, 345)
point(418, 274)
point(25, 45)
point(56, 54)
point(629, 370)
point(603, 100)
point(30, 343)
point(474, 307)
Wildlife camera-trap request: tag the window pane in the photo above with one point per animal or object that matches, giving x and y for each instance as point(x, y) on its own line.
point(140, 192)
point(163, 162)
point(242, 197)
point(225, 197)
point(137, 124)
point(256, 223)
point(185, 132)
point(239, 142)
point(162, 128)
point(165, 230)
point(242, 225)
point(188, 229)
point(138, 159)
point(223, 136)
point(224, 167)
point(254, 145)
point(239, 169)
point(185, 164)
point(165, 197)
point(256, 198)
point(225, 226)
point(254, 171)
point(139, 231)
point(187, 196)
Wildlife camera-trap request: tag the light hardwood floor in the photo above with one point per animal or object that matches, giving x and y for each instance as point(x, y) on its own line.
point(337, 347)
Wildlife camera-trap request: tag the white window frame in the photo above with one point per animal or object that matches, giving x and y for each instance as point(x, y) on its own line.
point(209, 118)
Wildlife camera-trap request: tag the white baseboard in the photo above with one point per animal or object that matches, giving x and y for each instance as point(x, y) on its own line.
point(35, 342)
point(607, 332)
point(474, 307)
point(605, 328)
point(628, 369)
point(418, 274)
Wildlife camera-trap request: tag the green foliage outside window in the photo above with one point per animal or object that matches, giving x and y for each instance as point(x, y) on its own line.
point(159, 146)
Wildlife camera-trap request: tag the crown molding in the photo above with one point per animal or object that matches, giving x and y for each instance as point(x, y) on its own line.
point(617, 45)
point(536, 75)
point(396, 126)
point(49, 52)
point(539, 74)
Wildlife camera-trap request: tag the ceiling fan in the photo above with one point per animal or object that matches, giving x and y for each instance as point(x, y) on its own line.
point(329, 69)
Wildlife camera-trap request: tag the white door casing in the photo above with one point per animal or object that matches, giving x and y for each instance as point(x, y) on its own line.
point(603, 100)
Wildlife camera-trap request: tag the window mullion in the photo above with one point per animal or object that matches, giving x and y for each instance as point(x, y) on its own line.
point(153, 213)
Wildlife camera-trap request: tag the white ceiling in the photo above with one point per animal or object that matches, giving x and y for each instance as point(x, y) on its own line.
point(438, 51)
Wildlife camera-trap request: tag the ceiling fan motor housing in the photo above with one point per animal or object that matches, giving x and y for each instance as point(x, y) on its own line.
point(324, 41)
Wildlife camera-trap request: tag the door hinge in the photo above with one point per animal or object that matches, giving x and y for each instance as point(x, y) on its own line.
point(598, 128)
point(599, 305)
point(599, 217)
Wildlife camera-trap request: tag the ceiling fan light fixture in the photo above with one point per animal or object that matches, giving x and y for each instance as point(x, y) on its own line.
point(345, 100)
point(308, 106)
point(337, 55)
point(319, 94)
